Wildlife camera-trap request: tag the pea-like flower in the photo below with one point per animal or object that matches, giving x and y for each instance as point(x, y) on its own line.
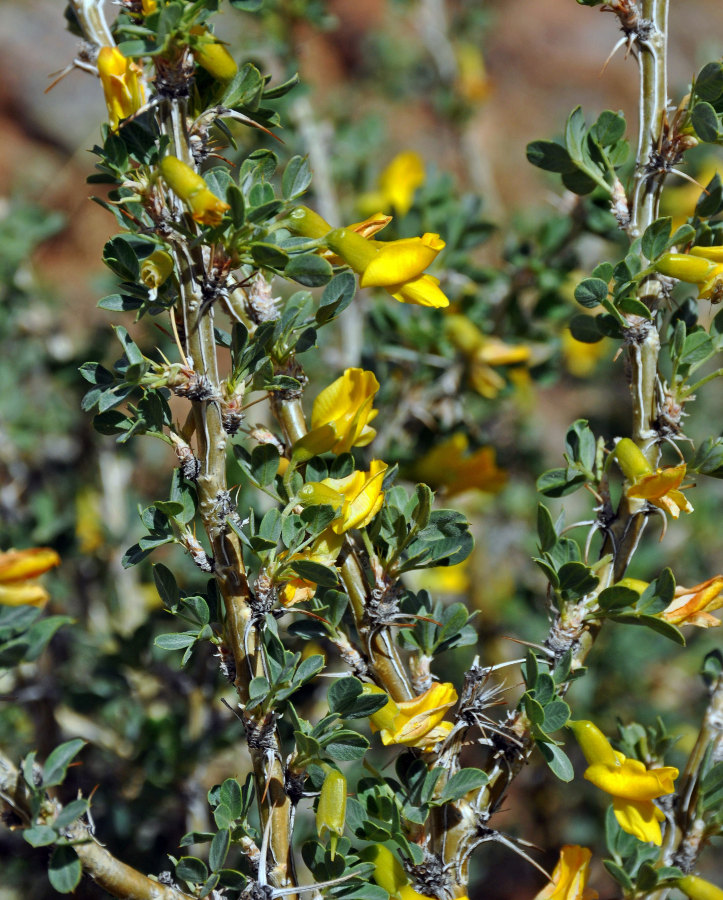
point(18, 571)
point(357, 498)
point(632, 786)
point(155, 270)
point(661, 487)
point(702, 266)
point(417, 722)
point(205, 207)
point(341, 415)
point(693, 605)
point(122, 86)
point(397, 266)
point(483, 353)
point(569, 877)
point(396, 184)
point(448, 465)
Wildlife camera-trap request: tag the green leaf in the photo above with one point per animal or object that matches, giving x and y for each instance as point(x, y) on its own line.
point(313, 571)
point(559, 482)
point(56, 765)
point(557, 760)
point(264, 463)
point(269, 255)
point(576, 578)
point(347, 698)
point(609, 128)
point(545, 528)
point(617, 597)
point(40, 835)
point(591, 292)
point(219, 849)
point(705, 122)
point(175, 640)
point(64, 870)
point(191, 870)
point(308, 269)
point(710, 201)
point(166, 586)
point(619, 874)
point(337, 295)
point(655, 239)
point(709, 83)
point(69, 813)
point(709, 458)
point(346, 745)
point(550, 156)
point(584, 328)
point(296, 178)
point(557, 715)
point(460, 784)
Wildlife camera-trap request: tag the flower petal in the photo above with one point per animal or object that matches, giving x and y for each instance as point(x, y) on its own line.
point(397, 262)
point(639, 818)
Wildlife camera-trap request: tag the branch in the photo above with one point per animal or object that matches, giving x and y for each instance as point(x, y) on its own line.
point(114, 876)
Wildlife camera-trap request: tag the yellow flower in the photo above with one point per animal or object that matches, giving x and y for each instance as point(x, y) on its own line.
point(581, 358)
point(659, 487)
point(324, 550)
point(18, 569)
point(472, 81)
point(482, 353)
point(692, 606)
point(396, 184)
point(698, 888)
point(448, 465)
point(358, 497)
point(122, 87)
point(702, 266)
point(632, 786)
point(417, 722)
point(205, 207)
point(341, 414)
point(397, 266)
point(570, 876)
point(149, 6)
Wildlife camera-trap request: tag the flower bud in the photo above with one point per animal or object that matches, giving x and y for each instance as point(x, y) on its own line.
point(122, 88)
point(684, 267)
point(306, 222)
point(205, 207)
point(212, 56)
point(631, 459)
point(156, 268)
point(331, 809)
point(714, 254)
point(698, 888)
point(593, 743)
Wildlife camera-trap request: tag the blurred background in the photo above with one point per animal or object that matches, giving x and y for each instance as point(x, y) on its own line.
point(465, 86)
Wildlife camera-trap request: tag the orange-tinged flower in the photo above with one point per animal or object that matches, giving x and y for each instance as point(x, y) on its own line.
point(659, 487)
point(448, 465)
point(417, 722)
point(569, 877)
point(341, 414)
point(692, 606)
point(357, 498)
point(205, 207)
point(121, 82)
point(632, 786)
point(397, 184)
point(18, 571)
